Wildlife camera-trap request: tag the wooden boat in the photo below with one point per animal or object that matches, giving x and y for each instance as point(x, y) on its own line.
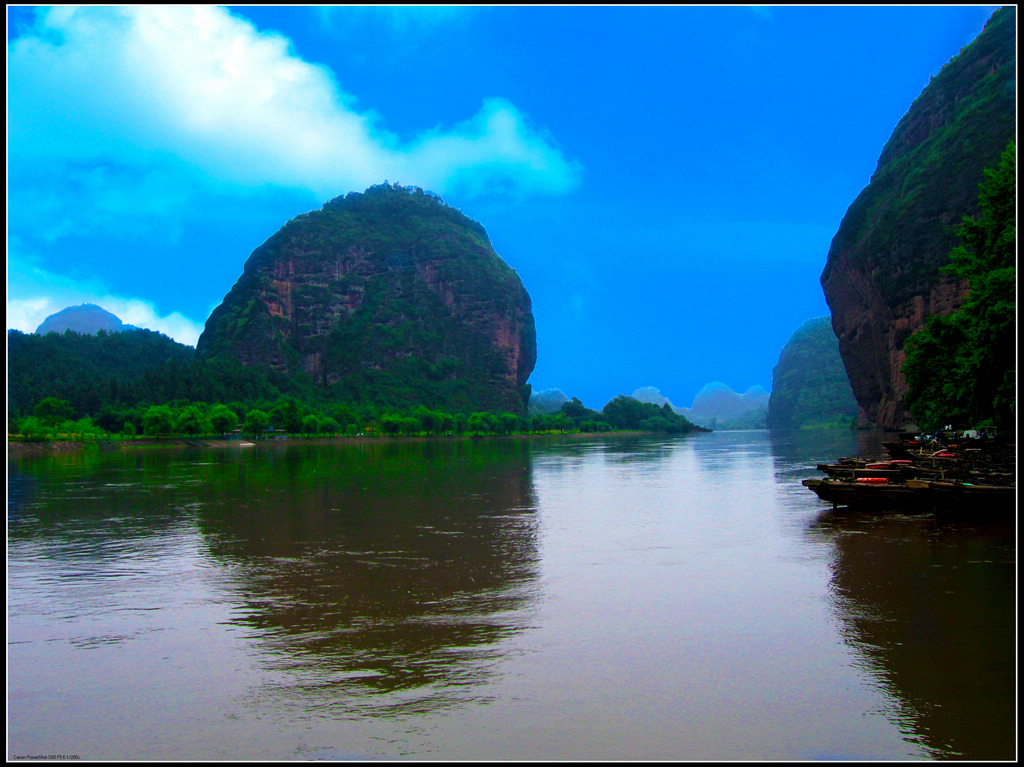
point(972, 478)
point(894, 470)
point(873, 495)
point(915, 496)
point(966, 497)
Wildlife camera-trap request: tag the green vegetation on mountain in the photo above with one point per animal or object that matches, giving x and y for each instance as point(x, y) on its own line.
point(388, 296)
point(884, 274)
point(809, 384)
point(961, 368)
point(956, 127)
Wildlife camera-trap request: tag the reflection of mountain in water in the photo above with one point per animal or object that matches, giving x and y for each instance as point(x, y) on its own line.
point(929, 608)
point(796, 452)
point(394, 568)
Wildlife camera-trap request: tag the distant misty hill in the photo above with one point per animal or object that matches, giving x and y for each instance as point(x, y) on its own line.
point(546, 402)
point(87, 318)
point(810, 387)
point(717, 406)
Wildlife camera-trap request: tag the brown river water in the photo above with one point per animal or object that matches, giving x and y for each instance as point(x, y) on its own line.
point(614, 598)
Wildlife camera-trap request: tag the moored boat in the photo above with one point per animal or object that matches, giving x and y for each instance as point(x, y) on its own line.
point(916, 496)
point(878, 495)
point(965, 497)
point(957, 476)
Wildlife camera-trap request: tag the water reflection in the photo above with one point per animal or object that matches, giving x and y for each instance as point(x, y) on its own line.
point(928, 607)
point(797, 452)
point(377, 580)
point(694, 601)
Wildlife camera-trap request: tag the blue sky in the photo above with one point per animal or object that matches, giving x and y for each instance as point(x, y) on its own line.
point(665, 180)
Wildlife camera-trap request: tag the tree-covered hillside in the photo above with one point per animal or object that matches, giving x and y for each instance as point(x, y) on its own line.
point(809, 384)
point(117, 370)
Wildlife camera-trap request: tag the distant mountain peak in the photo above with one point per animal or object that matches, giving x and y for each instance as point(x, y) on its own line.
point(85, 318)
point(717, 405)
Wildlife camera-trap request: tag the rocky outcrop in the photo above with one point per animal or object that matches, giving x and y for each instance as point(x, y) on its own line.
point(882, 276)
point(390, 297)
point(809, 384)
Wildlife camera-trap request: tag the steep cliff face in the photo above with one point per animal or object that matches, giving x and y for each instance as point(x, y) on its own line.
point(882, 276)
point(809, 384)
point(389, 296)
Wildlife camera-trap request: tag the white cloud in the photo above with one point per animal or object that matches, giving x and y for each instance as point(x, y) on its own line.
point(40, 294)
point(26, 314)
point(132, 124)
point(141, 84)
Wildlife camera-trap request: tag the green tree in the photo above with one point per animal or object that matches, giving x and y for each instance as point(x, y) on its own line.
point(34, 429)
point(479, 422)
point(629, 413)
point(391, 423)
point(223, 419)
point(286, 414)
point(311, 425)
point(508, 423)
point(191, 421)
point(257, 422)
point(110, 419)
point(961, 368)
point(158, 420)
point(84, 427)
point(52, 410)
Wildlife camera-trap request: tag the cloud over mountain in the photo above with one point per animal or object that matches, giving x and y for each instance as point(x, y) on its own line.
point(138, 85)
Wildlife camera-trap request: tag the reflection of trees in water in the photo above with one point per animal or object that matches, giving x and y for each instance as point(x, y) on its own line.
point(614, 448)
point(99, 500)
point(929, 609)
point(392, 568)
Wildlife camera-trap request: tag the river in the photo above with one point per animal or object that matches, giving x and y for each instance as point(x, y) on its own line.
point(553, 598)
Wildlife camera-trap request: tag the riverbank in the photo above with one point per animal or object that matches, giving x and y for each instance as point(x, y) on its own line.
point(50, 447)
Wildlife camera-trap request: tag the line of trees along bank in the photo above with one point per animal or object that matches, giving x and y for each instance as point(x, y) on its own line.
point(54, 418)
point(141, 382)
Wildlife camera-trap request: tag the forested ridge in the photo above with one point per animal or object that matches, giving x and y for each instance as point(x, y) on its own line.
point(143, 383)
point(809, 384)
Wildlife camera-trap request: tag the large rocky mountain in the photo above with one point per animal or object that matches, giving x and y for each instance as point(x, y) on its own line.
point(809, 384)
point(388, 296)
point(882, 276)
